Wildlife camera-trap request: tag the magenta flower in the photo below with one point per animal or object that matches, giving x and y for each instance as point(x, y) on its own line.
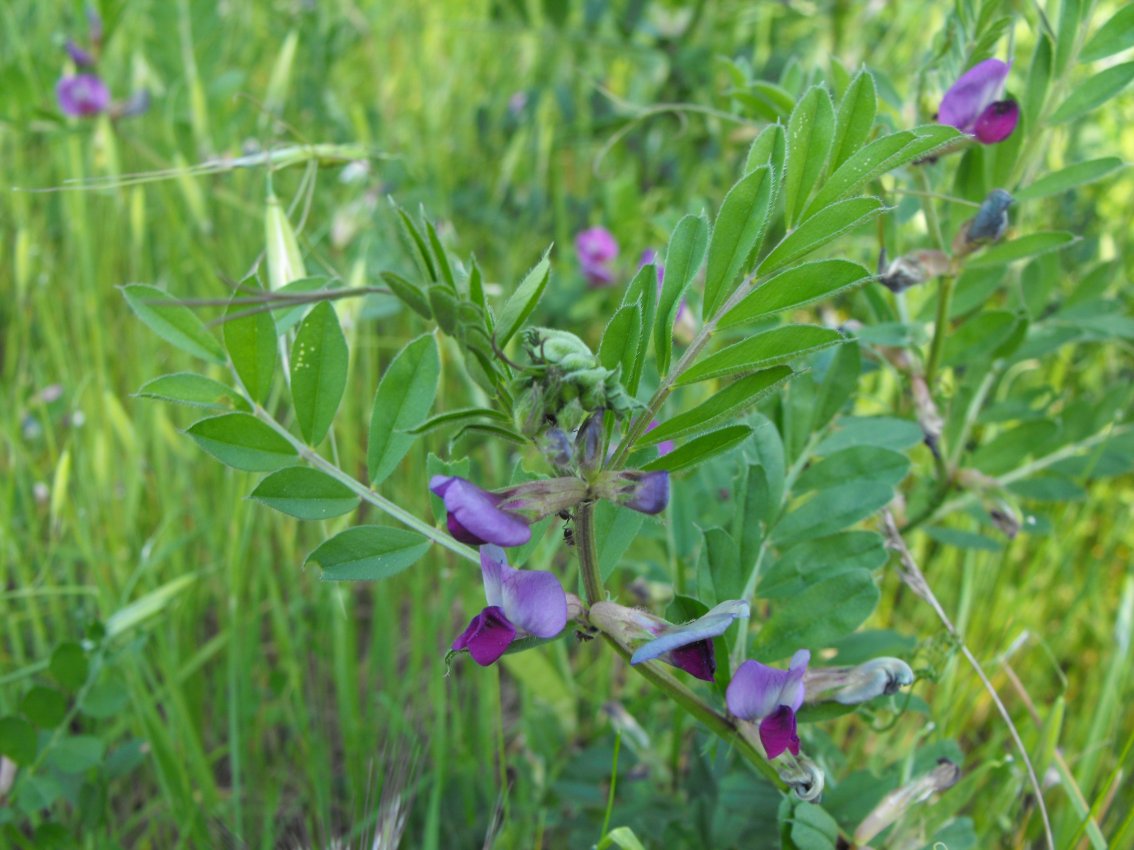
point(521, 603)
point(689, 646)
point(82, 95)
point(772, 697)
point(474, 515)
point(972, 106)
point(596, 248)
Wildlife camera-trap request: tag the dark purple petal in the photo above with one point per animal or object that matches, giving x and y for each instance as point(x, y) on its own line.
point(972, 93)
point(487, 636)
point(997, 122)
point(595, 245)
point(696, 659)
point(474, 517)
point(777, 732)
point(82, 95)
point(79, 56)
point(650, 494)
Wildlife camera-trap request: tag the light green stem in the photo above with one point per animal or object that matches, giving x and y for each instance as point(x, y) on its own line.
point(366, 493)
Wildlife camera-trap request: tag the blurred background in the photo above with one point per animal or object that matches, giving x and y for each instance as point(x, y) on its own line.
point(220, 693)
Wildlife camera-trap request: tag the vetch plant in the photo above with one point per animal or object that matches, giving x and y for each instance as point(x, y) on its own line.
point(737, 459)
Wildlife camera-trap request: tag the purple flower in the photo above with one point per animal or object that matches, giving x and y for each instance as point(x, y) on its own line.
point(690, 646)
point(520, 603)
point(82, 95)
point(771, 696)
point(474, 515)
point(972, 107)
point(596, 249)
point(649, 493)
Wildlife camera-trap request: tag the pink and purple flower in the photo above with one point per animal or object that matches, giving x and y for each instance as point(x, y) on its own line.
point(770, 696)
point(521, 603)
point(973, 103)
point(596, 249)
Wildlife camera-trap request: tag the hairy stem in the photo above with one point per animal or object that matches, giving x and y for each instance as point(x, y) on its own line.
point(366, 493)
point(588, 554)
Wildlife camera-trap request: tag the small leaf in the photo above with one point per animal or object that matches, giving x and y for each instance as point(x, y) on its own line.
point(728, 403)
point(855, 118)
point(75, 754)
point(408, 294)
point(368, 553)
point(642, 292)
point(107, 697)
point(319, 359)
point(810, 131)
point(1094, 92)
point(737, 234)
point(173, 321)
point(722, 574)
point(796, 287)
point(69, 666)
point(1031, 245)
point(287, 317)
point(683, 259)
point(813, 560)
point(832, 510)
point(615, 529)
point(404, 397)
point(1116, 35)
point(819, 229)
point(818, 616)
point(523, 301)
point(858, 463)
point(701, 449)
point(17, 740)
point(305, 493)
point(252, 343)
point(191, 389)
point(812, 828)
point(885, 431)
point(454, 417)
point(242, 441)
point(1071, 177)
point(619, 345)
point(769, 148)
point(762, 351)
point(45, 707)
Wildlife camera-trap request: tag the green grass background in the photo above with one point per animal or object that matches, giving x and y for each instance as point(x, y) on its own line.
point(272, 707)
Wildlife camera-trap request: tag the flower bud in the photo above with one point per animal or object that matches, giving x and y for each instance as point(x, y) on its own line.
point(588, 443)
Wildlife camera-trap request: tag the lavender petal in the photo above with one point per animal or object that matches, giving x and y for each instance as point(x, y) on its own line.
point(975, 90)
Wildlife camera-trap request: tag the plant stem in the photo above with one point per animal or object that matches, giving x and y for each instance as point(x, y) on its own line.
point(721, 725)
point(588, 554)
point(366, 493)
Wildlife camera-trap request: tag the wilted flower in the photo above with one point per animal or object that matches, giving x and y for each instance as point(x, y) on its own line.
point(852, 685)
point(972, 107)
point(82, 95)
point(521, 603)
point(761, 693)
point(688, 646)
point(912, 269)
point(596, 248)
point(986, 227)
